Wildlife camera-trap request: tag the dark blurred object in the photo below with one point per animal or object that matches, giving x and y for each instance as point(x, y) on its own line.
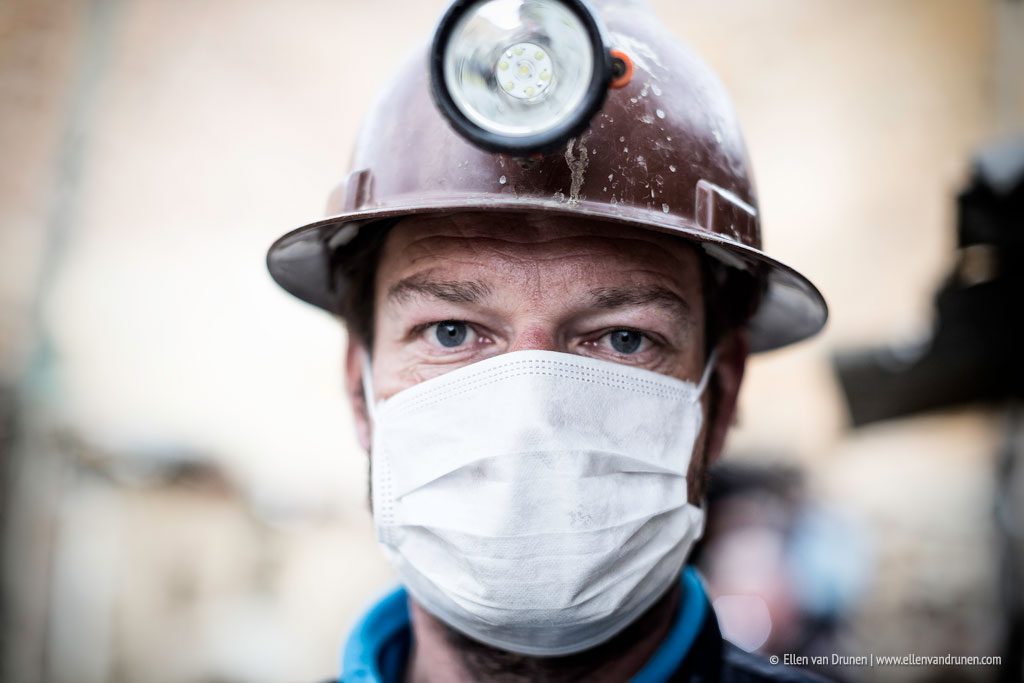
point(1010, 523)
point(783, 571)
point(974, 353)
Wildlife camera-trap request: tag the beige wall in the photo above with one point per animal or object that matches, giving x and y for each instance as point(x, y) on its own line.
point(153, 149)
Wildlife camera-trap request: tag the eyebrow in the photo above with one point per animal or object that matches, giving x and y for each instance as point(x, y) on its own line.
point(452, 291)
point(474, 291)
point(640, 295)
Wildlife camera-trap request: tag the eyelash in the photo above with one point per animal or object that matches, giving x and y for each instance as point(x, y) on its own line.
point(419, 330)
point(647, 338)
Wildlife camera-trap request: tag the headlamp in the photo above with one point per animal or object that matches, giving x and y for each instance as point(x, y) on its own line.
point(520, 76)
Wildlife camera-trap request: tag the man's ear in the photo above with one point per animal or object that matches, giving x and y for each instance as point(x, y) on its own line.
point(733, 349)
point(355, 352)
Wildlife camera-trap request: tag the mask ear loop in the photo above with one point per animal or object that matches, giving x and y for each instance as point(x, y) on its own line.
point(371, 405)
point(708, 371)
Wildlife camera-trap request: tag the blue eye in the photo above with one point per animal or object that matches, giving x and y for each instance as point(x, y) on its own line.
point(450, 334)
point(626, 341)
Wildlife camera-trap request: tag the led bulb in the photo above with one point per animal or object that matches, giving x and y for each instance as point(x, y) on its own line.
point(520, 70)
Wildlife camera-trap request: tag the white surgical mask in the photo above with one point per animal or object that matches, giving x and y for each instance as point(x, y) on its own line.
point(537, 501)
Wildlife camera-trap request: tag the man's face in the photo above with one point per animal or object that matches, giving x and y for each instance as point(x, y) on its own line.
point(457, 289)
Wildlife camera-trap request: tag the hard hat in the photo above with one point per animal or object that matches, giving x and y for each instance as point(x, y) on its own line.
point(663, 153)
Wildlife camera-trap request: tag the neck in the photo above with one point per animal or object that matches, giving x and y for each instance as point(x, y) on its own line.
point(441, 654)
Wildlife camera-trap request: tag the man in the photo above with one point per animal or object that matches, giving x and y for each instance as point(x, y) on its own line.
point(544, 357)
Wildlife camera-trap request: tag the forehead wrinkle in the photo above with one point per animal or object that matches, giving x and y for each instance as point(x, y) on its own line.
point(534, 229)
point(587, 243)
point(455, 237)
point(493, 255)
point(469, 253)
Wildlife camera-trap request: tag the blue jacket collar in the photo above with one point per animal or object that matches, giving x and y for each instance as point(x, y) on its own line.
point(379, 645)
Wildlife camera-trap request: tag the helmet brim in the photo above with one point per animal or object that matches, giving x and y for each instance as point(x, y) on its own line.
point(791, 309)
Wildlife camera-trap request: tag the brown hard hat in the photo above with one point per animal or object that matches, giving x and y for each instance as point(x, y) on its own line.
point(664, 153)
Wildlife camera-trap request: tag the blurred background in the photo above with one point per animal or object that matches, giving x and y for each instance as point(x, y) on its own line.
point(183, 497)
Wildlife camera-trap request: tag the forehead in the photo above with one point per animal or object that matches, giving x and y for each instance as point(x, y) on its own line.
point(507, 243)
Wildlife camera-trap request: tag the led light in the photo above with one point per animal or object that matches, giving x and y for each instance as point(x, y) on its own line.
point(532, 64)
point(519, 76)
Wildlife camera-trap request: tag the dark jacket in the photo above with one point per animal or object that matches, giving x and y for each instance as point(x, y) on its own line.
point(714, 659)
